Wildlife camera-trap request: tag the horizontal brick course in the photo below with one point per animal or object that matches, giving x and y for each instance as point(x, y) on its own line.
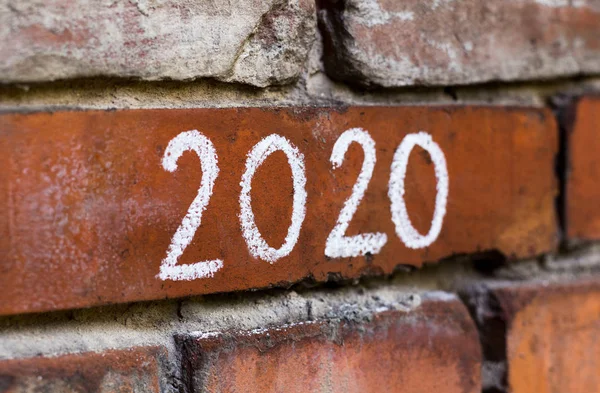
point(260, 42)
point(547, 334)
point(582, 125)
point(431, 349)
point(135, 370)
point(403, 43)
point(88, 212)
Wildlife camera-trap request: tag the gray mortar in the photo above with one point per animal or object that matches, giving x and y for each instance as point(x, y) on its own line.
point(552, 268)
point(314, 89)
point(155, 323)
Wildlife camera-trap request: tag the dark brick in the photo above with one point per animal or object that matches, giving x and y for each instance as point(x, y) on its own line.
point(431, 349)
point(134, 370)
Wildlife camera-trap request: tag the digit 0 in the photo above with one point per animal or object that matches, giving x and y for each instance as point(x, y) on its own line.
point(404, 228)
point(257, 246)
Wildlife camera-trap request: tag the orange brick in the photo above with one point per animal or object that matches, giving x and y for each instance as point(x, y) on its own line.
point(582, 124)
point(88, 211)
point(133, 370)
point(548, 335)
point(432, 349)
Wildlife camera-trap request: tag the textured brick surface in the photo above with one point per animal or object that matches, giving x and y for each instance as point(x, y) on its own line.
point(135, 370)
point(88, 212)
point(548, 334)
point(582, 124)
point(428, 350)
point(415, 42)
point(259, 42)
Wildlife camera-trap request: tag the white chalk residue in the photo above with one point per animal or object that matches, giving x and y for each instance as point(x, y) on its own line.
point(257, 246)
point(563, 3)
point(404, 227)
point(370, 13)
point(440, 296)
point(338, 245)
point(203, 147)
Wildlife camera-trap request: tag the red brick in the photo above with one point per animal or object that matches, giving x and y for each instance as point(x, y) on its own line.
point(431, 349)
point(582, 124)
point(415, 42)
point(547, 334)
point(87, 211)
point(134, 370)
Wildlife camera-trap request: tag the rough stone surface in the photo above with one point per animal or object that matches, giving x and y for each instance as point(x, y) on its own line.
point(431, 349)
point(89, 210)
point(136, 371)
point(434, 42)
point(539, 336)
point(256, 42)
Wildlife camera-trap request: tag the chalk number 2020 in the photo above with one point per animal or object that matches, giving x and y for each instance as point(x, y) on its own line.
point(337, 244)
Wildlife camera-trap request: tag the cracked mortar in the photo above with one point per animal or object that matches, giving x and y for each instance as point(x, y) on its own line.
point(314, 89)
point(157, 324)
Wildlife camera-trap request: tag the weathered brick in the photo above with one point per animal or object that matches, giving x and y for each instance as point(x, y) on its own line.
point(540, 337)
point(258, 42)
point(431, 349)
point(582, 125)
point(415, 42)
point(133, 370)
point(88, 211)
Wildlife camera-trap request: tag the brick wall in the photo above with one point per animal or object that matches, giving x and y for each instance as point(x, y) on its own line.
point(299, 196)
